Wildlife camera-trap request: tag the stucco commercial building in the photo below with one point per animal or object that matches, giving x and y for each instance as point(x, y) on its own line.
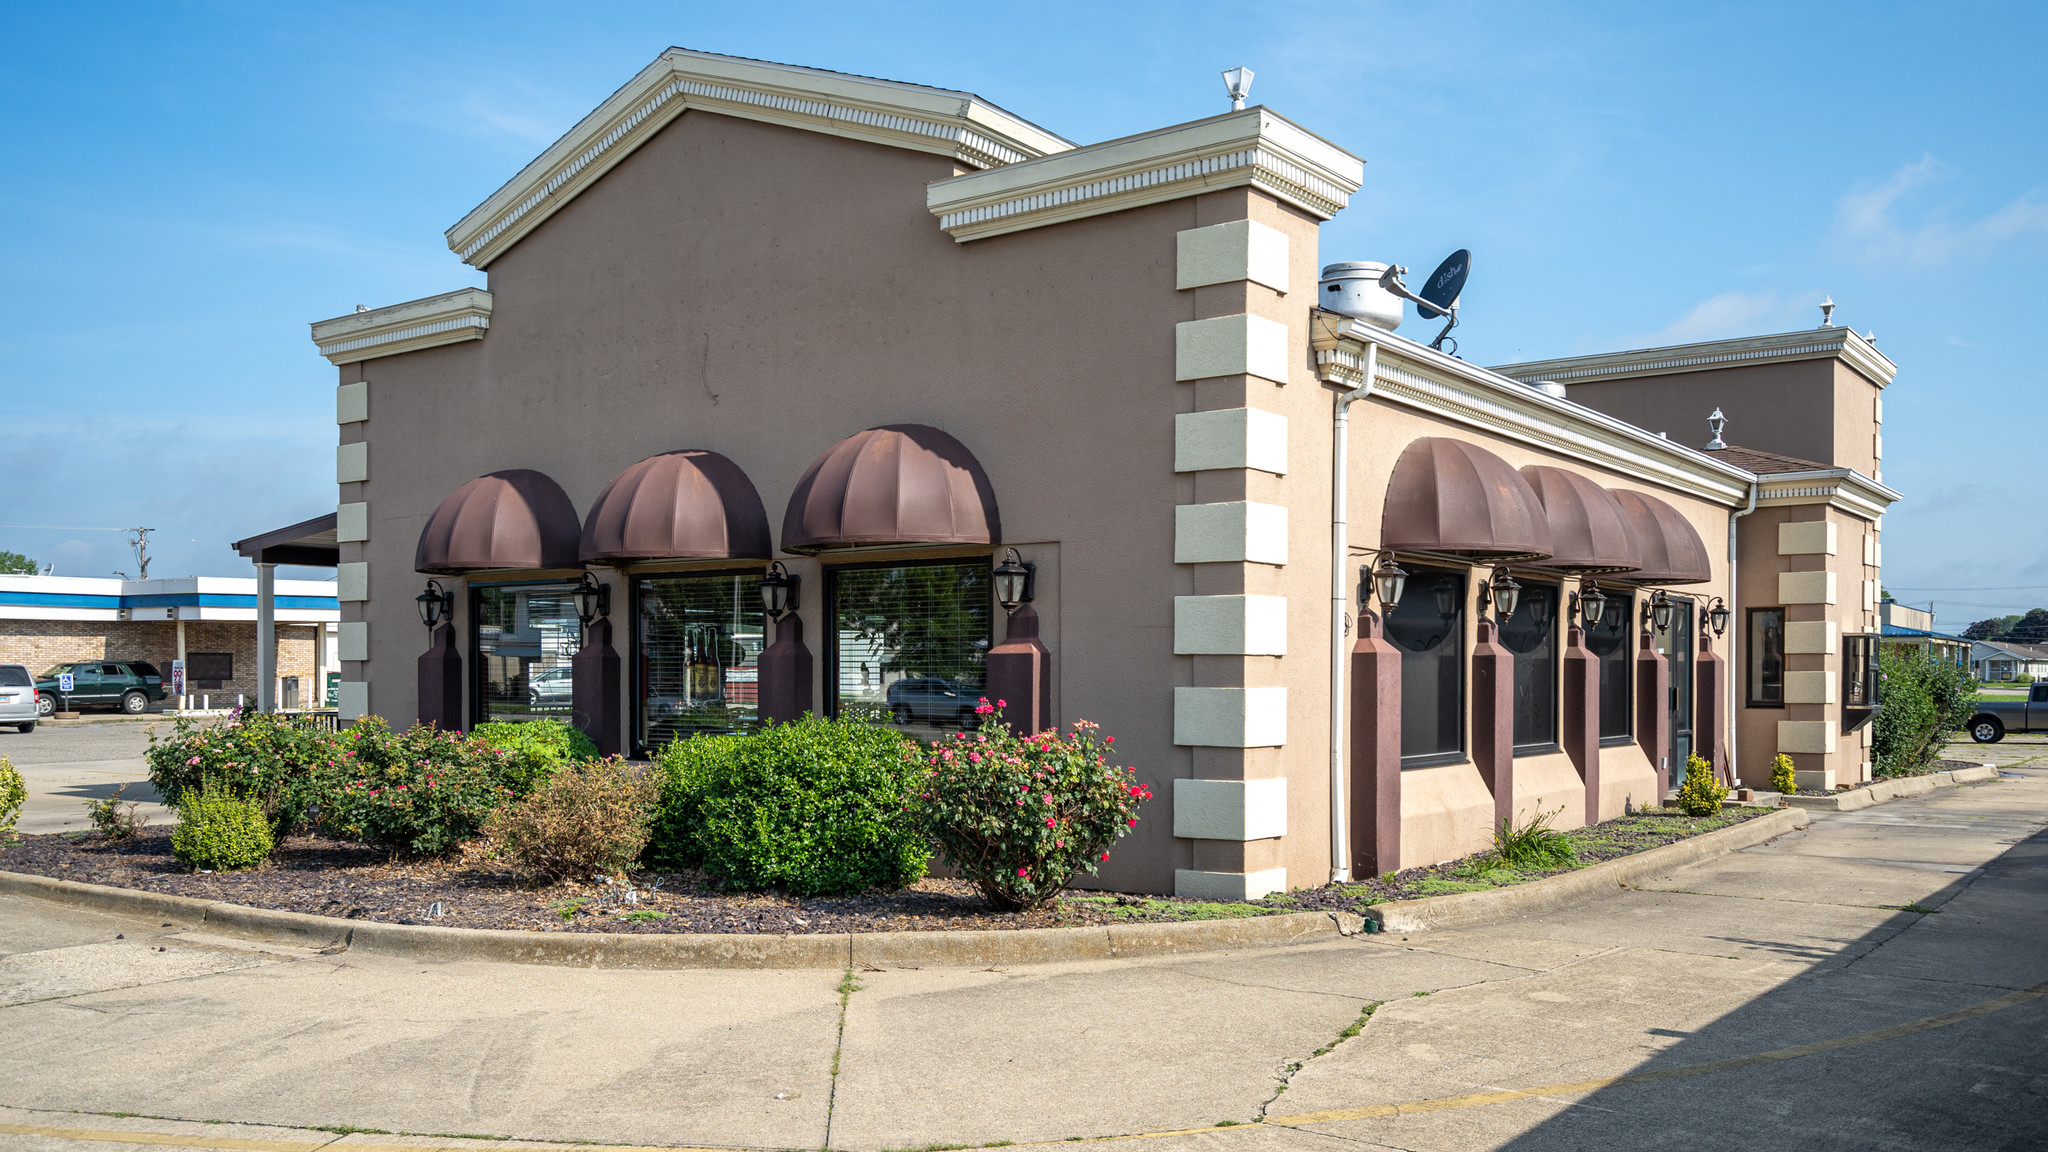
point(883, 335)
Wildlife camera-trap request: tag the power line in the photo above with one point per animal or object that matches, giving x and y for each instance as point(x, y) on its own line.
point(2005, 588)
point(65, 528)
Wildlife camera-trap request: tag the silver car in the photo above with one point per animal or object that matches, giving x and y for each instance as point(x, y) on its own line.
point(17, 697)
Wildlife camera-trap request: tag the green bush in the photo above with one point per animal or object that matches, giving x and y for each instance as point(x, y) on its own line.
point(1783, 779)
point(1533, 845)
point(286, 766)
point(813, 807)
point(535, 750)
point(219, 831)
point(1702, 792)
point(421, 793)
point(1019, 815)
point(1922, 699)
point(13, 794)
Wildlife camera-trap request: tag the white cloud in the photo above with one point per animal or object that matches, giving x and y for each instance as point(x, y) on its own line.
point(1735, 314)
point(1878, 221)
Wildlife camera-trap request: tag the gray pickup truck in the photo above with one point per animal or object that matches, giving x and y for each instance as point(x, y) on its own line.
point(1994, 718)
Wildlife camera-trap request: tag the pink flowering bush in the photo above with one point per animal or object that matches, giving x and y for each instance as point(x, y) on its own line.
point(284, 767)
point(1019, 815)
point(424, 792)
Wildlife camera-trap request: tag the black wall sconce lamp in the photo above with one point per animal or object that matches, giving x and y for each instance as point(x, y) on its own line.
point(1386, 580)
point(1715, 617)
point(779, 591)
point(1016, 581)
point(1503, 593)
point(592, 599)
point(1657, 611)
point(1589, 604)
point(436, 604)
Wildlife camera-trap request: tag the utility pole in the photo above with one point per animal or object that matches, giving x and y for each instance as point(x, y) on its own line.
point(138, 539)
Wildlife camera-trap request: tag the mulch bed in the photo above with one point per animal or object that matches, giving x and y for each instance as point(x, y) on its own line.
point(336, 878)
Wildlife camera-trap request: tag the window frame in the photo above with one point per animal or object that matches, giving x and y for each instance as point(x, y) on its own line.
point(1871, 646)
point(635, 687)
point(1749, 656)
point(1458, 640)
point(475, 675)
point(829, 612)
point(1627, 650)
point(1555, 743)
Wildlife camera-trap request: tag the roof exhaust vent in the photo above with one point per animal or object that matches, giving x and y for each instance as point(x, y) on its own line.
point(1353, 289)
point(1550, 388)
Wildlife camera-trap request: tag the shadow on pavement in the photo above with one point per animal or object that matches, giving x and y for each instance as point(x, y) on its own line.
point(1980, 1083)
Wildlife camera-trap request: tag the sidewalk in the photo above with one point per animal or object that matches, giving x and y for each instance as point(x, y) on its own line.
point(1524, 1035)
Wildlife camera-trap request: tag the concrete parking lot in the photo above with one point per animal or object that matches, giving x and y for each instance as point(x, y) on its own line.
point(1876, 981)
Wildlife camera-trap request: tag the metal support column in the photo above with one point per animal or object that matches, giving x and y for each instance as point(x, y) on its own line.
point(266, 637)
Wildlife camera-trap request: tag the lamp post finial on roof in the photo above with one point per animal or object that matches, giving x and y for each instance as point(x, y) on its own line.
point(1716, 422)
point(1238, 82)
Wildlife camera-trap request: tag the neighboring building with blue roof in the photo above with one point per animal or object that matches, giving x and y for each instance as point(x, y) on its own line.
point(209, 622)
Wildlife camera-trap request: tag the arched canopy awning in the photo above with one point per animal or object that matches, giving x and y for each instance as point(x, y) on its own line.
point(513, 520)
point(897, 484)
point(1588, 531)
point(1451, 497)
point(1671, 552)
point(687, 505)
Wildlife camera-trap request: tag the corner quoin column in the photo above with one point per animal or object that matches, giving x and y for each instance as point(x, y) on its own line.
point(352, 533)
point(1235, 807)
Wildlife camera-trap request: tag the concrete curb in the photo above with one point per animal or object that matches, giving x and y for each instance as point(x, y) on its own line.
point(1551, 893)
point(879, 949)
point(1881, 791)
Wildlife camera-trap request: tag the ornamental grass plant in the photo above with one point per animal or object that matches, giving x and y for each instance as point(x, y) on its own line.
point(1534, 844)
point(1018, 816)
point(585, 819)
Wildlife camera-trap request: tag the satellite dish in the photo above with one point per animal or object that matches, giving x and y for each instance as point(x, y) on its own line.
point(1440, 292)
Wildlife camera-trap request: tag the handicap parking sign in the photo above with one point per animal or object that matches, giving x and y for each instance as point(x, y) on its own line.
point(63, 681)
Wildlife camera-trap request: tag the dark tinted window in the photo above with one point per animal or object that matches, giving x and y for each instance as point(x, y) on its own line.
point(520, 632)
point(143, 668)
point(112, 670)
point(699, 644)
point(1428, 626)
point(1531, 634)
point(1766, 658)
point(928, 622)
point(1608, 640)
point(210, 666)
point(14, 676)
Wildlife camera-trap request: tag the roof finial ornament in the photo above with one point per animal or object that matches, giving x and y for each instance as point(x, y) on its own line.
point(1827, 311)
point(1238, 82)
point(1716, 422)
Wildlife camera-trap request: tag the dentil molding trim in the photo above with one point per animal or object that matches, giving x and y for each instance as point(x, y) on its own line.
point(935, 120)
point(452, 317)
point(1779, 347)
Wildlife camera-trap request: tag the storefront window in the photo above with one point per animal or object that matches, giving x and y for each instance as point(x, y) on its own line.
point(1531, 634)
point(1428, 626)
point(524, 637)
point(696, 656)
point(1608, 640)
point(1862, 685)
point(910, 643)
point(1766, 658)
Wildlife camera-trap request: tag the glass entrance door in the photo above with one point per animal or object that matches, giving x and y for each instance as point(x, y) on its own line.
point(1676, 643)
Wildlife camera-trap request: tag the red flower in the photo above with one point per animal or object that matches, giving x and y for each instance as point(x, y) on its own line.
point(1134, 821)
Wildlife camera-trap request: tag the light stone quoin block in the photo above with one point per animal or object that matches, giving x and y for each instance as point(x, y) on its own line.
point(1239, 810)
point(352, 642)
point(1810, 637)
point(1192, 885)
point(352, 581)
point(1807, 538)
point(1810, 687)
point(352, 403)
point(1236, 532)
point(1806, 587)
point(1230, 252)
point(1240, 345)
point(1230, 625)
point(1230, 438)
point(1814, 736)
point(1230, 717)
point(352, 699)
point(352, 462)
point(352, 522)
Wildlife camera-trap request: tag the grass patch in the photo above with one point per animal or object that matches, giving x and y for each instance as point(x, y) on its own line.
point(567, 909)
point(1145, 908)
point(645, 914)
point(1917, 907)
point(1350, 1030)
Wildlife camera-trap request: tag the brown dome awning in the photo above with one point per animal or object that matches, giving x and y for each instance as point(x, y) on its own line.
point(1671, 552)
point(687, 505)
point(1458, 498)
point(1588, 531)
point(517, 519)
point(898, 484)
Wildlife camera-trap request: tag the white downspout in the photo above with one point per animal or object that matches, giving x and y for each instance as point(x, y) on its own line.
point(1340, 599)
point(1736, 627)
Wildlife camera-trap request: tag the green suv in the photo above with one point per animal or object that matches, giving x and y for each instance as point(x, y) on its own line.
point(129, 685)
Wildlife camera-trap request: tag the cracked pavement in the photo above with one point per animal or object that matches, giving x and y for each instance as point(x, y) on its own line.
point(1477, 1033)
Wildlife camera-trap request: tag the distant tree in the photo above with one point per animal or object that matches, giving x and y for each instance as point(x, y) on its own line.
point(15, 564)
point(1984, 629)
point(2032, 628)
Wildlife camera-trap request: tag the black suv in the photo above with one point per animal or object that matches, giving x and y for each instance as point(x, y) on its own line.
point(933, 699)
point(129, 685)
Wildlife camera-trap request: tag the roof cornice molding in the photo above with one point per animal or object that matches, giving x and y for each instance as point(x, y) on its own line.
point(1255, 147)
point(1813, 344)
point(1419, 377)
point(959, 125)
point(450, 318)
point(1841, 488)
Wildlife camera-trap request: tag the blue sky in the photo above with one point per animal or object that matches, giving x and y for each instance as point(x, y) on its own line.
point(189, 184)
